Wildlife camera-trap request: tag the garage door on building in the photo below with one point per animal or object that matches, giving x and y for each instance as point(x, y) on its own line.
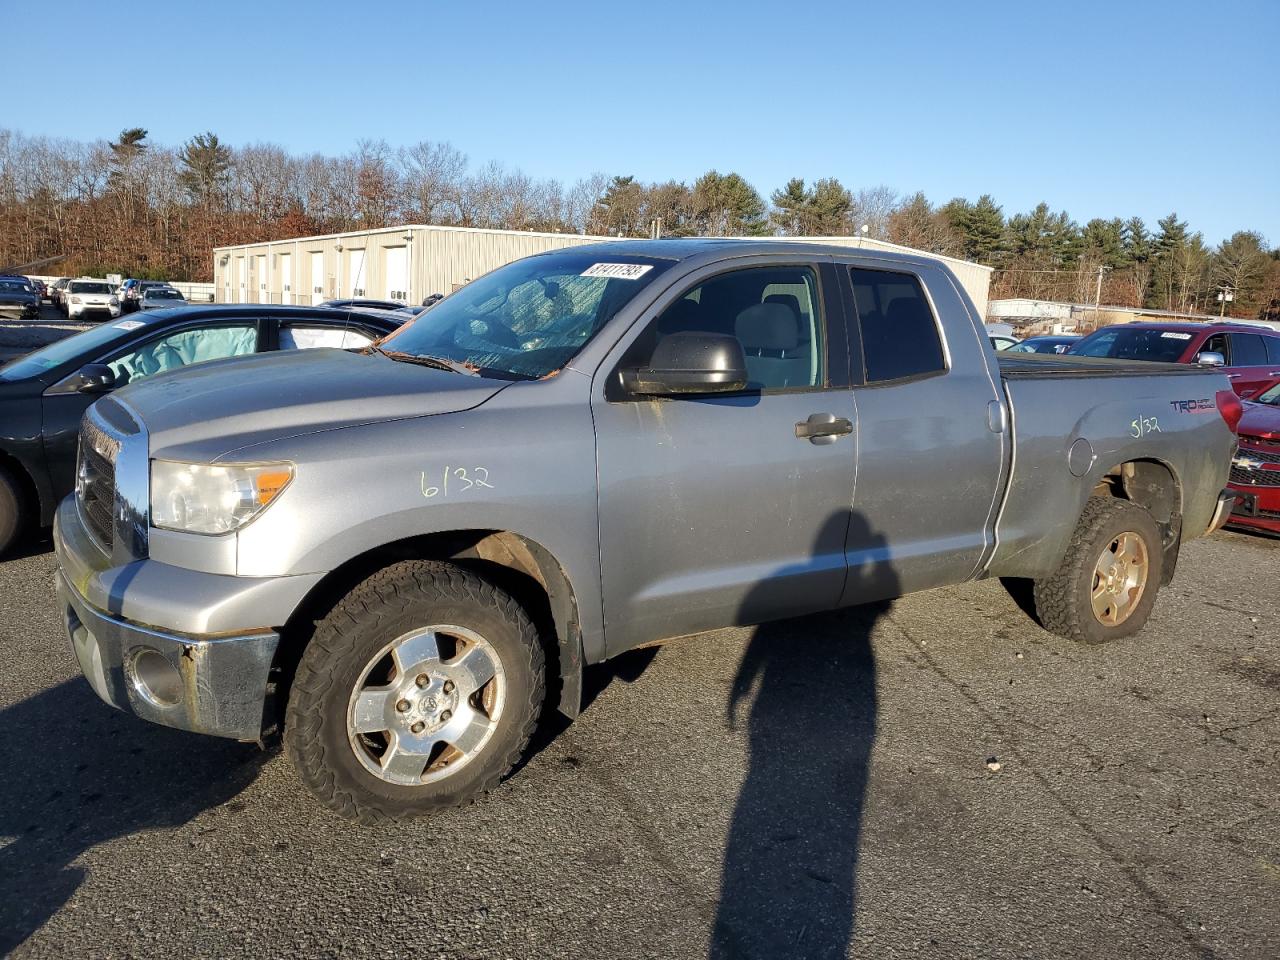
point(317, 277)
point(356, 277)
point(286, 278)
point(261, 266)
point(242, 268)
point(397, 273)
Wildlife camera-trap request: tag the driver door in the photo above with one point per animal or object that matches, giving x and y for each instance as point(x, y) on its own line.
point(713, 510)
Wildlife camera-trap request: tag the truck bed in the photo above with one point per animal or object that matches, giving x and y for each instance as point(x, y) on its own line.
point(1018, 366)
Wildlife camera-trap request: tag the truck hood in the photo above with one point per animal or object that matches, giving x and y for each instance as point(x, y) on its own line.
point(224, 405)
point(1260, 420)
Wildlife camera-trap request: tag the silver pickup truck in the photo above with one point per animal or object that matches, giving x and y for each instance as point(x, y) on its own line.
point(400, 556)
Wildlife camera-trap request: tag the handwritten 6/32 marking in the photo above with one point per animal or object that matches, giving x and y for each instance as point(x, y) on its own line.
point(462, 479)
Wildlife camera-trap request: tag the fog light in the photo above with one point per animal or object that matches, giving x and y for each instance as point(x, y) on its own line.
point(155, 678)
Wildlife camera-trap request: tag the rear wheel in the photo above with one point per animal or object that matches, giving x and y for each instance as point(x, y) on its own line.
point(1107, 582)
point(418, 692)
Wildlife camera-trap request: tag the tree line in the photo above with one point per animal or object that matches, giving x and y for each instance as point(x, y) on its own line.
point(147, 210)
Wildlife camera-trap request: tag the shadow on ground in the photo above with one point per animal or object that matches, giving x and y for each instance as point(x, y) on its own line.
point(807, 689)
point(75, 773)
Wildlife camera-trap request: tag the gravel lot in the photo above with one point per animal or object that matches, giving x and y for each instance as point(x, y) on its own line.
point(22, 336)
point(810, 788)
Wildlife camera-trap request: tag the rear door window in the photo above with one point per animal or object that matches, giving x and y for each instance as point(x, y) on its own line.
point(1273, 350)
point(1248, 350)
point(311, 336)
point(900, 337)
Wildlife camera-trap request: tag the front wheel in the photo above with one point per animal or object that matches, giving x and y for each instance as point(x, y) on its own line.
point(418, 692)
point(1106, 585)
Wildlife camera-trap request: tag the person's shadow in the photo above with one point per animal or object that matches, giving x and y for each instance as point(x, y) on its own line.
point(75, 773)
point(789, 884)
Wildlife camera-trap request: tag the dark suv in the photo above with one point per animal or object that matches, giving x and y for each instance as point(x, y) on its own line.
point(1249, 354)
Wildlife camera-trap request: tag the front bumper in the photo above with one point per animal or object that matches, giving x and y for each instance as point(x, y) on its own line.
point(202, 625)
point(218, 684)
point(1256, 508)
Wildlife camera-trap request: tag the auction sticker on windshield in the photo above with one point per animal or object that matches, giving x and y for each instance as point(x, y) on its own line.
point(128, 324)
point(1170, 335)
point(618, 271)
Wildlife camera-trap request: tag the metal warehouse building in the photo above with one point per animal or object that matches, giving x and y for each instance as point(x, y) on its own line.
point(410, 262)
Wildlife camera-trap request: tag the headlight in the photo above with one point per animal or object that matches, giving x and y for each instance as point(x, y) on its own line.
point(75, 299)
point(213, 498)
point(115, 301)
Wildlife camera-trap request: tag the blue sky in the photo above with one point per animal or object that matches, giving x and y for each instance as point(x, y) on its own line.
point(1101, 109)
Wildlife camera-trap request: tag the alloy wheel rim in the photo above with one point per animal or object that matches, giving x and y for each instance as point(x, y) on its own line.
point(426, 704)
point(1119, 579)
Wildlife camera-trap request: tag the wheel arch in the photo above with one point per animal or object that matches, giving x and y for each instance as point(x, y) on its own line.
point(516, 563)
point(1154, 485)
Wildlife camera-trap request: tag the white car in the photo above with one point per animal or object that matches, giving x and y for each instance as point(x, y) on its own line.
point(89, 297)
point(154, 297)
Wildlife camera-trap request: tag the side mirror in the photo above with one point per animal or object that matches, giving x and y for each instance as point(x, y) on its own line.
point(1211, 358)
point(690, 363)
point(96, 378)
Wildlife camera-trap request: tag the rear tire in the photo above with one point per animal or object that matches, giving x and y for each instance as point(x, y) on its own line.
point(13, 513)
point(423, 661)
point(1106, 584)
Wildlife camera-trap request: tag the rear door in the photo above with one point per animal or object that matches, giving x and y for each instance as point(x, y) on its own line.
point(713, 511)
point(1249, 370)
point(931, 434)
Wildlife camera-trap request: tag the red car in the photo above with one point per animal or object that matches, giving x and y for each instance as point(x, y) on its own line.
point(1250, 355)
point(1255, 471)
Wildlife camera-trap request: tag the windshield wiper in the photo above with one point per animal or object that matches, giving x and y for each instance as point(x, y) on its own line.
point(440, 363)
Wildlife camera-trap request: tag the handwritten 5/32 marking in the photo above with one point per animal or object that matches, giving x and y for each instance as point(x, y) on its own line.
point(1142, 426)
point(460, 479)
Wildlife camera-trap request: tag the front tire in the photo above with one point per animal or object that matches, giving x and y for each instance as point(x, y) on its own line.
point(418, 692)
point(13, 514)
point(1106, 585)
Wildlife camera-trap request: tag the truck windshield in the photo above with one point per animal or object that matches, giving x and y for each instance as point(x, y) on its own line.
point(1271, 396)
point(1119, 343)
point(528, 319)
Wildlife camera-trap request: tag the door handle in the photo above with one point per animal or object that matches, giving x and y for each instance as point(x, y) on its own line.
point(1233, 376)
point(824, 428)
point(1274, 373)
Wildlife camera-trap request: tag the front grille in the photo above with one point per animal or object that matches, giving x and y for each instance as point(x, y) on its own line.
point(1255, 467)
point(96, 481)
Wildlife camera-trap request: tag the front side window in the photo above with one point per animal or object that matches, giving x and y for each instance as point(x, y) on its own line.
point(900, 336)
point(774, 313)
point(184, 348)
point(528, 319)
point(1273, 350)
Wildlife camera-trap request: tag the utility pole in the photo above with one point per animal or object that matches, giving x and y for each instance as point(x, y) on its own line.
point(1225, 295)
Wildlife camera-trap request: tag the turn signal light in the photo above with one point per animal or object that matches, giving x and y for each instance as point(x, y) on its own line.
point(1230, 407)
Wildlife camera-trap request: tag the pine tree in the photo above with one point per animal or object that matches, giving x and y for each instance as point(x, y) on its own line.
point(790, 205)
point(205, 166)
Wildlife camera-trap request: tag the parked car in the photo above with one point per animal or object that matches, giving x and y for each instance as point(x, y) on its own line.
point(91, 298)
point(39, 287)
point(157, 298)
point(1057, 343)
point(131, 291)
point(18, 299)
point(363, 303)
point(58, 293)
point(44, 394)
point(1255, 471)
point(1250, 355)
point(411, 547)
